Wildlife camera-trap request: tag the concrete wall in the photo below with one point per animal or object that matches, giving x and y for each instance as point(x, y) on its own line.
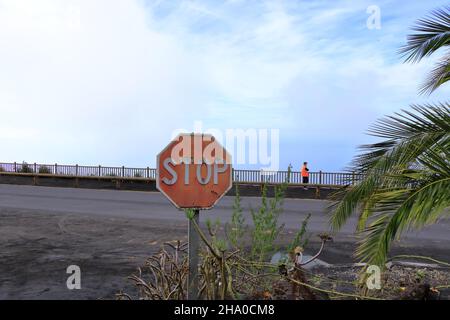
point(245, 189)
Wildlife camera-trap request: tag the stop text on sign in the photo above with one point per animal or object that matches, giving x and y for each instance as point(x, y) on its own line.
point(212, 171)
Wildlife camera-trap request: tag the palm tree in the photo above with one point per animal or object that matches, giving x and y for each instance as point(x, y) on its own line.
point(406, 180)
point(406, 176)
point(433, 33)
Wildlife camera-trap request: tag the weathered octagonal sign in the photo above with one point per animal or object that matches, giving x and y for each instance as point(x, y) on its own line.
point(194, 171)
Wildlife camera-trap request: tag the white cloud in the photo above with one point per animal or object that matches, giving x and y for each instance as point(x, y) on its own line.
point(112, 89)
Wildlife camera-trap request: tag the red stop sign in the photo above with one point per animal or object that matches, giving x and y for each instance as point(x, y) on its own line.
point(194, 171)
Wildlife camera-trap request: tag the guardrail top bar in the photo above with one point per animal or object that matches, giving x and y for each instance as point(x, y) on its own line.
point(239, 175)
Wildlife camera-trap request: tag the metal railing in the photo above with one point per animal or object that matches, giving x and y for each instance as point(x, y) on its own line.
point(317, 178)
point(79, 171)
point(243, 176)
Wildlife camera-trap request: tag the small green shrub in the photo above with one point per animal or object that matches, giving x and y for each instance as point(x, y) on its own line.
point(265, 219)
point(26, 168)
point(213, 228)
point(301, 238)
point(236, 229)
point(45, 170)
point(420, 275)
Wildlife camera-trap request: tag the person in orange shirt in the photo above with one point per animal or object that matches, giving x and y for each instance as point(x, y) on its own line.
point(305, 173)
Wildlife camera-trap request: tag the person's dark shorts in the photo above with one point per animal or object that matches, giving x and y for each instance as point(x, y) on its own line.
point(305, 179)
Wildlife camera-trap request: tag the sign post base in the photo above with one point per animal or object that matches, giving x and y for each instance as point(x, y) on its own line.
point(193, 253)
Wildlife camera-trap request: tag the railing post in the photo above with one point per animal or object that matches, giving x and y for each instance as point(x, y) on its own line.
point(320, 177)
point(148, 173)
point(353, 177)
point(99, 170)
point(76, 170)
point(123, 171)
point(35, 168)
point(15, 166)
point(56, 168)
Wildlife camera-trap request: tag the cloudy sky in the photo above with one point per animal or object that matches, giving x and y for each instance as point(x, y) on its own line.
point(108, 81)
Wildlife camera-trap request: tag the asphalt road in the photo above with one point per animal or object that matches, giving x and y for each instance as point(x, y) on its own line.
point(109, 233)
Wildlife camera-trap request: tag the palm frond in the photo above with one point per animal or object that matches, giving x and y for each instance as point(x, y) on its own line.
point(438, 76)
point(402, 211)
point(432, 33)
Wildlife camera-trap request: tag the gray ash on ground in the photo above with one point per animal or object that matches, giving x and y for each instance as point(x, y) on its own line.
point(37, 246)
point(397, 282)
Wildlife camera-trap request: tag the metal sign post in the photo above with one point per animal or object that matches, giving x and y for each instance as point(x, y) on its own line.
point(194, 242)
